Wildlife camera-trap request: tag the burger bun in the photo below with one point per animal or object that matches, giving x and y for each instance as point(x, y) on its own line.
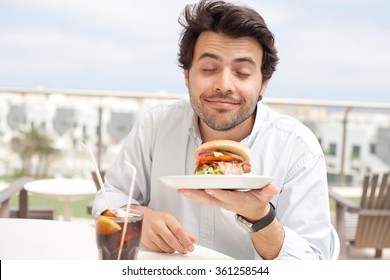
point(225, 145)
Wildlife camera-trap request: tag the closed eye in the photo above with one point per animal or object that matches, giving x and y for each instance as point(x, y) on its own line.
point(243, 75)
point(209, 70)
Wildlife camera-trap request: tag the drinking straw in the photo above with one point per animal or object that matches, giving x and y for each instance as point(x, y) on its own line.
point(99, 177)
point(134, 173)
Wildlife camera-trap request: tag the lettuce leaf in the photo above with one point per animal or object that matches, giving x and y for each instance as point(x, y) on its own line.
point(208, 170)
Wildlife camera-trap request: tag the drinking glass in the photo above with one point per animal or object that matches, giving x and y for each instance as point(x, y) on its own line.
point(111, 242)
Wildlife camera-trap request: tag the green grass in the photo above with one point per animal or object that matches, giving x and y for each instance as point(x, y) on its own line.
point(79, 207)
point(332, 204)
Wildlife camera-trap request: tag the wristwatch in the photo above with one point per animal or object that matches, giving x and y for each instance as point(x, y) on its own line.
point(255, 227)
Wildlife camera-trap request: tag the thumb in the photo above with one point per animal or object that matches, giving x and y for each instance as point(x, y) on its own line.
point(268, 191)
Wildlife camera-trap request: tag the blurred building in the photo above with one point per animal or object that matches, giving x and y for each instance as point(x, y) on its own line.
point(367, 142)
point(71, 120)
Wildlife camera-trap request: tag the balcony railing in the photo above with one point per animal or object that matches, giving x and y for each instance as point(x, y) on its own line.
point(103, 118)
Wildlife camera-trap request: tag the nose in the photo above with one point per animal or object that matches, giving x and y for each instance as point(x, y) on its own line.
point(224, 82)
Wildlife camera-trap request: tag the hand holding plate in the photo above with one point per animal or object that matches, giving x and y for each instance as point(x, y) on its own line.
point(251, 204)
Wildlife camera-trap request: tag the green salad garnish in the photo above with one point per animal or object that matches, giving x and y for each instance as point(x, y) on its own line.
point(209, 170)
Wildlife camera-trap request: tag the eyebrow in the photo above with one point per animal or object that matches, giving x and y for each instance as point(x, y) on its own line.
point(237, 60)
point(209, 55)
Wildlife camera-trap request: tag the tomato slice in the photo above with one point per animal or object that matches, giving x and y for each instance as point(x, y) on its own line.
point(205, 159)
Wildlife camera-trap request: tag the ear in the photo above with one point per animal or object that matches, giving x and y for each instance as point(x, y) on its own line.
point(263, 87)
point(186, 77)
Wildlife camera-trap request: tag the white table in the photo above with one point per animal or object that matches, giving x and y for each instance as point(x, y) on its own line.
point(30, 239)
point(65, 190)
point(348, 191)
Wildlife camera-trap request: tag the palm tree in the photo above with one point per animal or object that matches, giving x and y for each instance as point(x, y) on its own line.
point(34, 145)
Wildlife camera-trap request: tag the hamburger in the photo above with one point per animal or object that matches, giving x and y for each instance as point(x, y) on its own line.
point(222, 157)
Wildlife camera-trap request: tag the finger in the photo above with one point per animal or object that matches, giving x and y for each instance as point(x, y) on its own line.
point(193, 239)
point(164, 238)
point(151, 235)
point(160, 245)
point(266, 193)
point(226, 199)
point(157, 247)
point(178, 237)
point(186, 240)
point(153, 241)
point(234, 201)
point(247, 203)
point(223, 195)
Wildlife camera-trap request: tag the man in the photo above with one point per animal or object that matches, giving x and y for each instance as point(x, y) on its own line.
point(228, 56)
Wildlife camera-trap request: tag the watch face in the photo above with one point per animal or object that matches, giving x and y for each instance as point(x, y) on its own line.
point(244, 224)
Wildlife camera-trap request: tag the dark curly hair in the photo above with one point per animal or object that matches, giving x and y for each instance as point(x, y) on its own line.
point(231, 20)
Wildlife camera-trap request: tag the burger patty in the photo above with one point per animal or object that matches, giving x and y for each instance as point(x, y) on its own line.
point(228, 168)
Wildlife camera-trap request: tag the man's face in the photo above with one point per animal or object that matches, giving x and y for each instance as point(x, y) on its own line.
point(225, 79)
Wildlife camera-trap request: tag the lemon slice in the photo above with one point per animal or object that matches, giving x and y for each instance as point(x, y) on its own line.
point(108, 213)
point(106, 226)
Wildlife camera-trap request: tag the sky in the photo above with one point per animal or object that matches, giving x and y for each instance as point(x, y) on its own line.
point(330, 49)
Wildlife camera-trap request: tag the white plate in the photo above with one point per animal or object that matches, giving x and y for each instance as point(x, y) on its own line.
point(245, 182)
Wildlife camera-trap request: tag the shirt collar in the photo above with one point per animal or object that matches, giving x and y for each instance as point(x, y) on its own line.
point(193, 130)
point(261, 116)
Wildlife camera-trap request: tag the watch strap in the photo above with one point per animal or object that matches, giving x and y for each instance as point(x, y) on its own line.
point(262, 223)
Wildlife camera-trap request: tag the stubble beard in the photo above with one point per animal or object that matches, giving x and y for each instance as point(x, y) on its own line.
point(221, 119)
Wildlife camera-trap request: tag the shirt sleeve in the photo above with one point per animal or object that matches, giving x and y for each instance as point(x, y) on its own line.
point(294, 248)
point(303, 210)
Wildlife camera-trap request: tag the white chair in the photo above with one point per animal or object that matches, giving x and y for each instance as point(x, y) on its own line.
point(334, 244)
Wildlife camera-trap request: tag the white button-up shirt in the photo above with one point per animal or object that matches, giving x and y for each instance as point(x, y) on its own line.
point(163, 142)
